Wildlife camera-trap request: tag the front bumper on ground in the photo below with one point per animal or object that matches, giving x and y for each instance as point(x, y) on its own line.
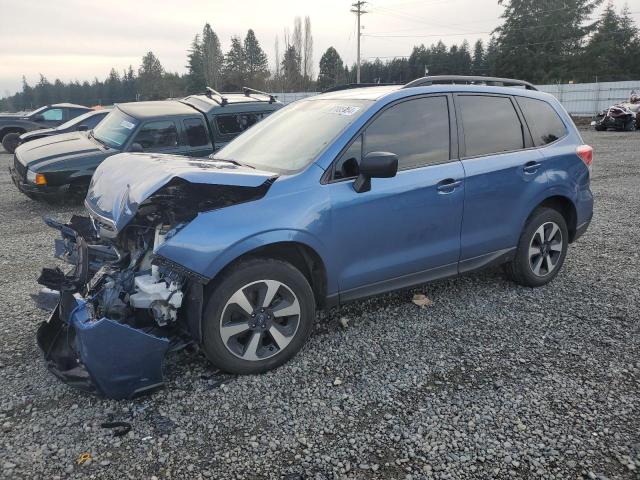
point(100, 356)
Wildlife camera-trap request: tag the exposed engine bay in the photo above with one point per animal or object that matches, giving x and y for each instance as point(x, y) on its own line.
point(122, 306)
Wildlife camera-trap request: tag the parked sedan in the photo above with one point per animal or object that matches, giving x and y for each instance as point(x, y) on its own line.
point(82, 123)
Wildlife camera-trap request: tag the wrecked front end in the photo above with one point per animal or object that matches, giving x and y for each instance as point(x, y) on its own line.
point(122, 307)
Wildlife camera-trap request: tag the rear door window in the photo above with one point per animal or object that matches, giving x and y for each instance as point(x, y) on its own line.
point(197, 134)
point(417, 131)
point(543, 121)
point(236, 123)
point(491, 125)
point(152, 135)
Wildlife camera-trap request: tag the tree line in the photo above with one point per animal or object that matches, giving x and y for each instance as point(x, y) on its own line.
point(540, 41)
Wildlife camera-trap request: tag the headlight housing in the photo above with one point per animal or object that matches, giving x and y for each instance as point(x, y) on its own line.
point(37, 178)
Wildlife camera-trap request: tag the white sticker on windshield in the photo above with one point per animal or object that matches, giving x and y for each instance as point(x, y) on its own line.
point(344, 109)
point(127, 125)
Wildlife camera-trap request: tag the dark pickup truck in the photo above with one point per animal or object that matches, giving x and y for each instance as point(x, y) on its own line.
point(14, 125)
point(195, 126)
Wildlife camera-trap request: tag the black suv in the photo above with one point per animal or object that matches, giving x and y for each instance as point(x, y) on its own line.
point(12, 126)
point(195, 126)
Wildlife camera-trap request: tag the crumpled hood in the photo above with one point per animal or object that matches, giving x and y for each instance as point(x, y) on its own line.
point(122, 182)
point(57, 148)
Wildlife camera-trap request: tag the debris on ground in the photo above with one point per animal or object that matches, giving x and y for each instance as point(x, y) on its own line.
point(422, 300)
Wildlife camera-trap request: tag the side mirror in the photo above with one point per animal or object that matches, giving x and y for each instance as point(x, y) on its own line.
point(375, 165)
point(82, 128)
point(38, 118)
point(136, 148)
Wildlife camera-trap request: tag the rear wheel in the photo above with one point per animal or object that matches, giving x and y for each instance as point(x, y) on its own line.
point(11, 141)
point(630, 126)
point(541, 249)
point(258, 316)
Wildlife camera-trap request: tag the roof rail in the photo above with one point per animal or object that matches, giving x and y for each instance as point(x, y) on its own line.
point(348, 86)
point(469, 80)
point(248, 91)
point(210, 92)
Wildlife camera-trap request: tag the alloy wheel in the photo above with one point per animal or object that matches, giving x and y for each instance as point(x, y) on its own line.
point(260, 320)
point(545, 249)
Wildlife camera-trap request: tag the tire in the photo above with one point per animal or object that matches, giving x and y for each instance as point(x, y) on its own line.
point(240, 342)
point(630, 126)
point(11, 141)
point(537, 269)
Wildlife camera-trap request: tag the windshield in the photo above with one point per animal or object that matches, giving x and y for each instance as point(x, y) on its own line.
point(75, 121)
point(291, 138)
point(37, 110)
point(115, 129)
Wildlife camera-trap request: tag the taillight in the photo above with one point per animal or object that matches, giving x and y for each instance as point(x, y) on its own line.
point(585, 152)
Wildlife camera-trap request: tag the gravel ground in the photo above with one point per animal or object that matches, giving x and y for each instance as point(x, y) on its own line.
point(491, 381)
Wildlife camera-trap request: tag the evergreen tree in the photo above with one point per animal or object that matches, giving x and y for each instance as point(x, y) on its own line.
point(112, 88)
point(256, 61)
point(196, 81)
point(150, 78)
point(235, 66)
point(212, 58)
point(331, 69)
point(291, 69)
point(129, 87)
point(540, 40)
point(478, 64)
point(611, 50)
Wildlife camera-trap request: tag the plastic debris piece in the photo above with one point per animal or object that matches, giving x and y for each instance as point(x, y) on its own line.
point(119, 428)
point(344, 322)
point(422, 300)
point(83, 458)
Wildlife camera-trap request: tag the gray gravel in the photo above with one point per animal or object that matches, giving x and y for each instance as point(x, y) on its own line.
point(491, 381)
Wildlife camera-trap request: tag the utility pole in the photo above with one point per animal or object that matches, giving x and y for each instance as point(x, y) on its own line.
point(358, 11)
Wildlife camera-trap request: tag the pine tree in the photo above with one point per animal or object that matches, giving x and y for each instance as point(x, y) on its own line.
point(611, 50)
point(291, 69)
point(256, 61)
point(478, 64)
point(331, 69)
point(150, 77)
point(196, 81)
point(235, 66)
point(212, 57)
point(540, 41)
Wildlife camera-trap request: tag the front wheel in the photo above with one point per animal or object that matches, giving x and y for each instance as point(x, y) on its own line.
point(630, 126)
point(541, 249)
point(11, 141)
point(258, 316)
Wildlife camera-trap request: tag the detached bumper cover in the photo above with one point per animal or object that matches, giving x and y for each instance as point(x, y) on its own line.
point(100, 356)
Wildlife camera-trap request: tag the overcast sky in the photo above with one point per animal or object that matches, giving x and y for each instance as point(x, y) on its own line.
point(83, 39)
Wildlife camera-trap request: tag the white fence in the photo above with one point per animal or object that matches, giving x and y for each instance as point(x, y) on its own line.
point(582, 99)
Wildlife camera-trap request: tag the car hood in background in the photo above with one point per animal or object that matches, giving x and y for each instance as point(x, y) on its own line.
point(56, 148)
point(122, 182)
point(42, 132)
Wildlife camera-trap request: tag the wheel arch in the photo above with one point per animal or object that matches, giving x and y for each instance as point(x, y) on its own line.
point(302, 256)
point(6, 130)
point(563, 205)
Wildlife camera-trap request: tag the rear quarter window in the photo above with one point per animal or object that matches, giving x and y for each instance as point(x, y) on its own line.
point(544, 122)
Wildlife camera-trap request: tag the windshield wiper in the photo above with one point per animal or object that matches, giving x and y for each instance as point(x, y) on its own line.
point(91, 135)
point(235, 162)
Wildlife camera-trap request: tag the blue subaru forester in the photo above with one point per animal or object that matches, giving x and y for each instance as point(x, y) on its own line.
point(331, 199)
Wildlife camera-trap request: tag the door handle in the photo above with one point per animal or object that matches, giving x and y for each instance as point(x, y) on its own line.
point(448, 185)
point(531, 167)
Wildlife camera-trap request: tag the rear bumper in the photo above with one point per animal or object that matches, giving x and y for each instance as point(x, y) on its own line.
point(100, 356)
